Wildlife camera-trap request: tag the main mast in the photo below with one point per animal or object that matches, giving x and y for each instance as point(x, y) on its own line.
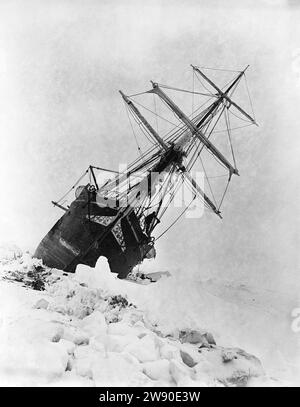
point(173, 154)
point(193, 129)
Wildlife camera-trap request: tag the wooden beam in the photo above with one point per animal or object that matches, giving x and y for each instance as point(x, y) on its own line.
point(225, 94)
point(193, 128)
point(144, 121)
point(60, 206)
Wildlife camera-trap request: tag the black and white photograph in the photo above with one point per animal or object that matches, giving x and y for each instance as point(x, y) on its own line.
point(150, 194)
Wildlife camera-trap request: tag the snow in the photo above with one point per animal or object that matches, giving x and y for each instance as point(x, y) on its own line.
point(169, 351)
point(158, 370)
point(9, 251)
point(144, 349)
point(92, 329)
point(94, 324)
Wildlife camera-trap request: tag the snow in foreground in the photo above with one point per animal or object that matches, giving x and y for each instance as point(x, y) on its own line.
point(91, 329)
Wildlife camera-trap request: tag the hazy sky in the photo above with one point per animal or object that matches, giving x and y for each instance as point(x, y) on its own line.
point(61, 65)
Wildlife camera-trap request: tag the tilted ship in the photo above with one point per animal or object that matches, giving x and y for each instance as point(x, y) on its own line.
point(117, 219)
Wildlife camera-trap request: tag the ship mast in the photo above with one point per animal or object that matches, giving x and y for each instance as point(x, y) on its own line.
point(195, 128)
point(224, 95)
point(170, 154)
point(178, 147)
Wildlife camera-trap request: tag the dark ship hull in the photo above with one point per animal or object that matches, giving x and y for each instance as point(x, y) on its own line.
point(87, 231)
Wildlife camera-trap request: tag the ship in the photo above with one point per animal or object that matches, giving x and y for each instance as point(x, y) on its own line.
point(118, 218)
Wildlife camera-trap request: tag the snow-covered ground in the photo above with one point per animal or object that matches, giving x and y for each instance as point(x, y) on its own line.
point(91, 329)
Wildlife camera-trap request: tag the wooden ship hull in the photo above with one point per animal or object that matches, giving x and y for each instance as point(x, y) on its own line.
point(85, 232)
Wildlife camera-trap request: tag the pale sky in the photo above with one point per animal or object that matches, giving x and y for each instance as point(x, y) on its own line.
point(61, 65)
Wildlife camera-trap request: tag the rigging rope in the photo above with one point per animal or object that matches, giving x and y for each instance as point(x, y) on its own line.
point(201, 146)
point(135, 137)
point(156, 115)
point(186, 91)
point(176, 220)
point(179, 182)
point(234, 114)
point(149, 110)
point(233, 128)
point(76, 183)
point(138, 94)
point(250, 100)
point(204, 86)
point(193, 97)
point(208, 181)
point(229, 136)
point(218, 69)
point(224, 194)
point(142, 127)
point(191, 188)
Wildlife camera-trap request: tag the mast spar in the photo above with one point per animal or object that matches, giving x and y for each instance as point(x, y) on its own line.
point(144, 121)
point(224, 95)
point(193, 127)
point(179, 146)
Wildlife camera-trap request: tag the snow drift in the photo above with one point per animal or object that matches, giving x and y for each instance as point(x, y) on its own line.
point(91, 329)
